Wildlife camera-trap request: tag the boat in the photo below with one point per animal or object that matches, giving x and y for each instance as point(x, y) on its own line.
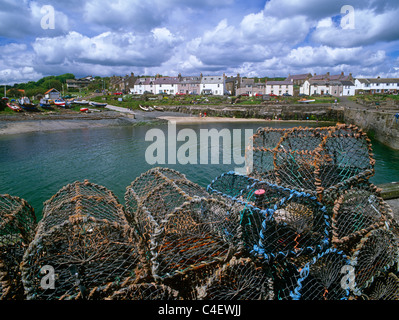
point(157, 108)
point(45, 104)
point(14, 107)
point(26, 104)
point(84, 109)
point(81, 102)
point(306, 101)
point(98, 104)
point(60, 103)
point(147, 109)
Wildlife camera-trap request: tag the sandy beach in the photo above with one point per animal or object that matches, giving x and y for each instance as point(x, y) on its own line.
point(188, 119)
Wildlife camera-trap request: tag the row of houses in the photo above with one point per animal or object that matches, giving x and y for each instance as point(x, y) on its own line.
point(337, 85)
point(208, 85)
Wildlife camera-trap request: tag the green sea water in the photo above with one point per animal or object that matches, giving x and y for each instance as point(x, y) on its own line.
point(35, 166)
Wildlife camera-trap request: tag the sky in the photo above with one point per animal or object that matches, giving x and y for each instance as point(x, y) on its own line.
point(255, 38)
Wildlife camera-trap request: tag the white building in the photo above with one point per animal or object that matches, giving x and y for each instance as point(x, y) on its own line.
point(144, 85)
point(336, 88)
point(280, 88)
point(167, 85)
point(52, 94)
point(377, 85)
point(214, 85)
point(348, 88)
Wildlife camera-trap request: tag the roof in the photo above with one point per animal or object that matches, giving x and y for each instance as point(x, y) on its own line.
point(53, 89)
point(191, 80)
point(167, 80)
point(347, 83)
point(379, 80)
point(212, 79)
point(277, 83)
point(144, 81)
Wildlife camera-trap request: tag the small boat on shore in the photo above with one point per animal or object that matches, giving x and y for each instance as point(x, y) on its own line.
point(84, 109)
point(60, 103)
point(14, 107)
point(81, 102)
point(26, 104)
point(306, 101)
point(147, 109)
point(98, 104)
point(157, 108)
point(45, 104)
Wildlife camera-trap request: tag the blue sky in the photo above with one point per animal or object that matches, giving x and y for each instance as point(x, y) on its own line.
point(252, 37)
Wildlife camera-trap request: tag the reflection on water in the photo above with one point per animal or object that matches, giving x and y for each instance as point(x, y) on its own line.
point(35, 166)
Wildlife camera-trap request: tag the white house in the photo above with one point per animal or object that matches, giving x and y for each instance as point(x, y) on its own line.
point(52, 94)
point(376, 85)
point(214, 85)
point(348, 88)
point(143, 85)
point(167, 85)
point(280, 88)
point(336, 88)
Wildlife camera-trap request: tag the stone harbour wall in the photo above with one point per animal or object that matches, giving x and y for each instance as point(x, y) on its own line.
point(381, 125)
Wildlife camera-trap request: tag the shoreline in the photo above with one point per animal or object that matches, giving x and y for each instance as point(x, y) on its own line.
point(14, 124)
point(196, 119)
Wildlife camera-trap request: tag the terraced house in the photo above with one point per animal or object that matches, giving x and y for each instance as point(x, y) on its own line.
point(326, 84)
point(213, 85)
point(189, 85)
point(376, 85)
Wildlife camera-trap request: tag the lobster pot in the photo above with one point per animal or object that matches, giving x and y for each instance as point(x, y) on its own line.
point(158, 189)
point(162, 201)
point(299, 225)
point(385, 287)
point(239, 279)
point(376, 253)
point(17, 229)
point(316, 160)
point(264, 141)
point(145, 291)
point(357, 212)
point(230, 185)
point(78, 258)
point(145, 184)
point(81, 199)
point(234, 187)
point(323, 278)
point(190, 240)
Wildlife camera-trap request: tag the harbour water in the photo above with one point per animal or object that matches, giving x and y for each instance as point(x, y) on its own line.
point(35, 166)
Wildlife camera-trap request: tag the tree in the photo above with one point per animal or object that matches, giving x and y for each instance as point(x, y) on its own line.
point(52, 83)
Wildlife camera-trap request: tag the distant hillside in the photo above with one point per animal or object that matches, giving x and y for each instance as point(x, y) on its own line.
point(33, 88)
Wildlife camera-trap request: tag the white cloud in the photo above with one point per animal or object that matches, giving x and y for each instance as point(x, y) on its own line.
point(102, 37)
point(329, 57)
point(108, 48)
point(369, 27)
